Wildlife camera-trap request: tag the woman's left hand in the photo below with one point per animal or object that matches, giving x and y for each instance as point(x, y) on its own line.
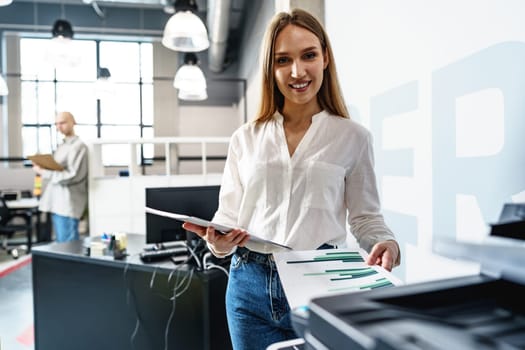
point(385, 254)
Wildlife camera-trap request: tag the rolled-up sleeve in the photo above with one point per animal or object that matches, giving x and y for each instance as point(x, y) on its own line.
point(362, 200)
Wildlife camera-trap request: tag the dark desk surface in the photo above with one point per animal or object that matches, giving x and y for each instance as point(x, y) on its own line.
point(76, 251)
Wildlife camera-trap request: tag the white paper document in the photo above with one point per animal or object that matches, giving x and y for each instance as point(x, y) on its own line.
point(218, 227)
point(309, 274)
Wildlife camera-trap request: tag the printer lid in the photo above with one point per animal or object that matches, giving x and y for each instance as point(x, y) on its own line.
point(502, 254)
point(499, 257)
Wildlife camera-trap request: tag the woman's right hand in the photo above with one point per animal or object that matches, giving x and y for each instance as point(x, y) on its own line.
point(221, 243)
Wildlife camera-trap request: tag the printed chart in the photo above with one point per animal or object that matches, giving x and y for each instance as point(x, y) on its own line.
point(314, 273)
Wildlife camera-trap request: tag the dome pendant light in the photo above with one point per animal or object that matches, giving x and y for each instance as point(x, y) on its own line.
point(192, 95)
point(104, 88)
point(190, 80)
point(103, 73)
point(185, 31)
point(62, 29)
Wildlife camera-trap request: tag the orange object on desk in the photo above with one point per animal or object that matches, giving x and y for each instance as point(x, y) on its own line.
point(37, 186)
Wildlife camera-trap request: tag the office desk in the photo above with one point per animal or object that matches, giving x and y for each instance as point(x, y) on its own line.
point(27, 206)
point(85, 302)
point(23, 203)
point(42, 231)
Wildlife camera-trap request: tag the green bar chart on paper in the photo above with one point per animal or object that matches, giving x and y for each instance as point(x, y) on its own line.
point(308, 274)
point(331, 256)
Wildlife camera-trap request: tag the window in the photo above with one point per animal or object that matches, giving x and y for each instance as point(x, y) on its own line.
point(55, 77)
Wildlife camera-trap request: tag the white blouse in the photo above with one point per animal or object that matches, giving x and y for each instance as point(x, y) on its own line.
point(302, 200)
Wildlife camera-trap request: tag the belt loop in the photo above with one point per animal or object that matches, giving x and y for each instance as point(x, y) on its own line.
point(243, 253)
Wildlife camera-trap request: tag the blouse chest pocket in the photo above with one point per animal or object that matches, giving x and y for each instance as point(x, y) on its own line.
point(324, 186)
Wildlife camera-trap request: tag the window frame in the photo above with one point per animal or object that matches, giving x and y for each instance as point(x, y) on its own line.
point(98, 124)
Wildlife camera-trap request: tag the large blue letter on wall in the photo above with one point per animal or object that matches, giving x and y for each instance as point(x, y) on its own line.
point(491, 179)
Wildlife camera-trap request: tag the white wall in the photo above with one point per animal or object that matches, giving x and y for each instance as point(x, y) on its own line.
point(207, 121)
point(165, 102)
point(440, 84)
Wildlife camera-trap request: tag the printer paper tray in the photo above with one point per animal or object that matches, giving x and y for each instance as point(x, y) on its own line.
point(464, 313)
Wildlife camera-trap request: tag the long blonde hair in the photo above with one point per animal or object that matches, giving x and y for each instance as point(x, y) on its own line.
point(272, 100)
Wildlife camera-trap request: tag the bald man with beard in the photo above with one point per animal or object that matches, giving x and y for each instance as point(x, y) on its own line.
point(65, 195)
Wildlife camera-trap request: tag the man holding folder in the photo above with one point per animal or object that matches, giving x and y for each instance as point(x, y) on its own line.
point(65, 195)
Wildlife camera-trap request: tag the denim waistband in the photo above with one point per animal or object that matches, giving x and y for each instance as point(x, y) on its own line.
point(249, 255)
point(261, 258)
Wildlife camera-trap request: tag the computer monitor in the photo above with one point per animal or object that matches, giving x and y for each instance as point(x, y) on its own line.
point(199, 201)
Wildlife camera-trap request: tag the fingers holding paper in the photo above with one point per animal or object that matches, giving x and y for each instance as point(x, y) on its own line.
point(221, 243)
point(385, 254)
point(226, 242)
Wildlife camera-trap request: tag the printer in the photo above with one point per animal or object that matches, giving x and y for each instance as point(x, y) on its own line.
point(484, 311)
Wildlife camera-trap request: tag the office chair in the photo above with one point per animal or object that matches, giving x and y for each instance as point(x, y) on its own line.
point(9, 225)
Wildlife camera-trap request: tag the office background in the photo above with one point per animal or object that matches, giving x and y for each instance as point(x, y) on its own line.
point(439, 84)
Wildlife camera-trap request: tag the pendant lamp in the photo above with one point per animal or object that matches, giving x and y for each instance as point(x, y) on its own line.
point(190, 80)
point(188, 95)
point(103, 73)
point(104, 88)
point(5, 2)
point(62, 29)
point(185, 31)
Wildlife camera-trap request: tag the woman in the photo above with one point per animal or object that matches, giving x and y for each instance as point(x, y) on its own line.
point(293, 176)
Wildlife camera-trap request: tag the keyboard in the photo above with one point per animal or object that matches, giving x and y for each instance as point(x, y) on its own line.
point(180, 253)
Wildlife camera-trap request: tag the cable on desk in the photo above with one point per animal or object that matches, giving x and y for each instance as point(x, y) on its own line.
point(171, 274)
point(210, 265)
point(128, 302)
point(176, 294)
point(153, 277)
point(134, 334)
point(179, 284)
point(172, 313)
point(213, 266)
point(192, 252)
point(155, 272)
point(187, 284)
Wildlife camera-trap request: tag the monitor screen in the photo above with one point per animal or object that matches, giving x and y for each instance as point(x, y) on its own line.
point(200, 201)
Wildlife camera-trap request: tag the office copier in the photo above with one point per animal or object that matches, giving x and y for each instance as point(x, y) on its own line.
point(485, 311)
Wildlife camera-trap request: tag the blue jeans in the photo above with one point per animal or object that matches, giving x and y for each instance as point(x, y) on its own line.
point(256, 307)
point(66, 228)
